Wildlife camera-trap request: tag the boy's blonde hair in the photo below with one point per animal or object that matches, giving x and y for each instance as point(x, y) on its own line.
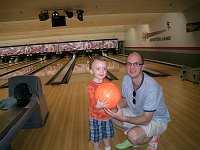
point(100, 58)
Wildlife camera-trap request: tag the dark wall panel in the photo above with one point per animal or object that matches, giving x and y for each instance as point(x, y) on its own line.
point(186, 59)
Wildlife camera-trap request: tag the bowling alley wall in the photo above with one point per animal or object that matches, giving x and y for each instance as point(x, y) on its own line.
point(173, 38)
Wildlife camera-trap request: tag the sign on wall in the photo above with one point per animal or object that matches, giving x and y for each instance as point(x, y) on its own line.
point(58, 47)
point(191, 27)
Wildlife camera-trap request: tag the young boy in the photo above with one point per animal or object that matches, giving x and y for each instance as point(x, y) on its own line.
point(101, 127)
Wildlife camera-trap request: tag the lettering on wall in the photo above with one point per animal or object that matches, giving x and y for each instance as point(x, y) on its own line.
point(151, 35)
point(164, 38)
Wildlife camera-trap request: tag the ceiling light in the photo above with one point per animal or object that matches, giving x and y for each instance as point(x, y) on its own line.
point(55, 15)
point(80, 14)
point(43, 15)
point(69, 13)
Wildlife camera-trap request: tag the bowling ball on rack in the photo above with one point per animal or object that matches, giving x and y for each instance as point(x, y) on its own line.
point(109, 93)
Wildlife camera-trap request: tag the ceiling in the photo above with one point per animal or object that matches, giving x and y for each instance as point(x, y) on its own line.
point(19, 17)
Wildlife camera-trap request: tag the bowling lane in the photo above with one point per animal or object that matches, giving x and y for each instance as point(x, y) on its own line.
point(116, 68)
point(120, 57)
point(3, 64)
point(25, 70)
point(155, 66)
point(81, 68)
point(12, 66)
point(49, 71)
point(22, 71)
point(7, 65)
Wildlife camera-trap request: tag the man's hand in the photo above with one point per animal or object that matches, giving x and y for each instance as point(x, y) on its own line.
point(116, 114)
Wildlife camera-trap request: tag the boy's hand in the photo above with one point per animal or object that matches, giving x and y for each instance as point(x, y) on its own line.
point(102, 104)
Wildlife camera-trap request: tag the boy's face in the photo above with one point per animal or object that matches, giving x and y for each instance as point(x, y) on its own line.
point(99, 70)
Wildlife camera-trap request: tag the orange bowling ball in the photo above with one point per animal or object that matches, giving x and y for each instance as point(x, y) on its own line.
point(109, 93)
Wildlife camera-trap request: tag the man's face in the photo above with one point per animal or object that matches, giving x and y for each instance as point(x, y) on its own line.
point(134, 65)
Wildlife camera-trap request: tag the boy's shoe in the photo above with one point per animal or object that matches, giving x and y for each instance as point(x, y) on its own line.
point(126, 144)
point(153, 144)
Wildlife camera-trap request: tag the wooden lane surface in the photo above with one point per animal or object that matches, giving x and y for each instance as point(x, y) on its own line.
point(48, 72)
point(67, 124)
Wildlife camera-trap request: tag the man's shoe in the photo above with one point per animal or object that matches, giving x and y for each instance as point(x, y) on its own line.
point(126, 144)
point(153, 144)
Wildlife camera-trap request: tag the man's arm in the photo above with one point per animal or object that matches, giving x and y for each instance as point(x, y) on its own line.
point(122, 103)
point(139, 120)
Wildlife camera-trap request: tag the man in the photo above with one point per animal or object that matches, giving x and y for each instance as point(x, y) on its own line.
point(142, 114)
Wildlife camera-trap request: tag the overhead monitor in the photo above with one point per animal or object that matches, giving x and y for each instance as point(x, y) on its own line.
point(60, 21)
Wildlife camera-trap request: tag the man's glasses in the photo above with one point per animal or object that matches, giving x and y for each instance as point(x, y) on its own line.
point(134, 95)
point(134, 64)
